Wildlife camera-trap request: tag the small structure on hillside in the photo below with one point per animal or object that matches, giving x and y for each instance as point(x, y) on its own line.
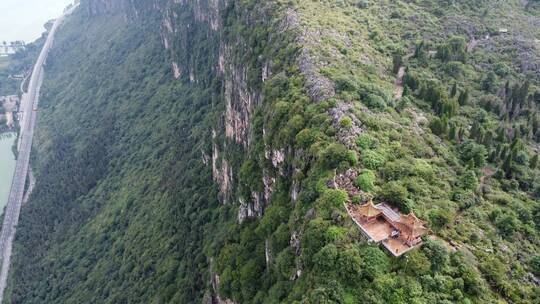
point(381, 224)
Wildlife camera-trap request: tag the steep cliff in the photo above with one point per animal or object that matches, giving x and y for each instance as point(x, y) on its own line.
point(193, 151)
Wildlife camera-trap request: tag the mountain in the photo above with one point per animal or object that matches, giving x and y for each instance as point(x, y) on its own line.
point(204, 152)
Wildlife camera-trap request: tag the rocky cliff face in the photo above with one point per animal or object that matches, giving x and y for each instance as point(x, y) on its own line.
point(204, 46)
point(241, 94)
point(98, 7)
point(190, 30)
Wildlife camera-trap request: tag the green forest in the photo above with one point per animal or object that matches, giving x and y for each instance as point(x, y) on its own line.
point(185, 151)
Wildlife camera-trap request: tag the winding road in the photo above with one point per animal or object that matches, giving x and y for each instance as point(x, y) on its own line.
point(29, 103)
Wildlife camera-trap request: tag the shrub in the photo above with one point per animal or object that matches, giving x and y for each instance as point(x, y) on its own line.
point(345, 84)
point(440, 218)
point(362, 3)
point(305, 138)
point(375, 102)
point(494, 270)
point(507, 225)
point(330, 200)
point(346, 123)
point(357, 199)
point(366, 141)
point(372, 160)
point(365, 181)
point(336, 153)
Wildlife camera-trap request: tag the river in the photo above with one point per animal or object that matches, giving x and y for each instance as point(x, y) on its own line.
point(7, 166)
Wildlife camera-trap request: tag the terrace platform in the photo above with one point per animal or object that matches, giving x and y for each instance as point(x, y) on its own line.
point(378, 229)
point(380, 223)
point(397, 247)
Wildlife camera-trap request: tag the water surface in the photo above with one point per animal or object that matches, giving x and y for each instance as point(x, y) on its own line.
point(7, 166)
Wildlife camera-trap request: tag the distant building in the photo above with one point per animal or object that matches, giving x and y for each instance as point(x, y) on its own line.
point(11, 47)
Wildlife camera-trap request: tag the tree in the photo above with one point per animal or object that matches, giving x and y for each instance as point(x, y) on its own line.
point(438, 255)
point(469, 181)
point(507, 225)
point(494, 270)
point(330, 200)
point(374, 262)
point(535, 265)
point(453, 91)
point(325, 260)
point(464, 97)
point(366, 181)
point(489, 82)
point(439, 126)
point(349, 264)
point(440, 218)
point(534, 162)
point(416, 263)
point(455, 49)
point(419, 50)
point(396, 194)
point(472, 282)
point(334, 155)
point(508, 164)
point(330, 293)
point(469, 150)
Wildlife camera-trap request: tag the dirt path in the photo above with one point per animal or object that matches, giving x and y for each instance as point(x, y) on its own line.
point(398, 91)
point(471, 45)
point(487, 172)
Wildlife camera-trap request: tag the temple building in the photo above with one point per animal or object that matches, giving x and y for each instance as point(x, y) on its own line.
point(381, 224)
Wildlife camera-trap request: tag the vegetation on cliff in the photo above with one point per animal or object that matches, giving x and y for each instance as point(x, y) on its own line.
point(185, 153)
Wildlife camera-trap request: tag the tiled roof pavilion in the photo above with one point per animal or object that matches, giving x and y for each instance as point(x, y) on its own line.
point(380, 222)
point(369, 210)
point(411, 226)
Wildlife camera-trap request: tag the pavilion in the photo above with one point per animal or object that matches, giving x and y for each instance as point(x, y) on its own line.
point(381, 224)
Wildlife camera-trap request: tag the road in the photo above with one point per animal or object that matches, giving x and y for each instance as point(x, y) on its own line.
point(29, 103)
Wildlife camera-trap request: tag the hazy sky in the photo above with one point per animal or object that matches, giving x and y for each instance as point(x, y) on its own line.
point(24, 19)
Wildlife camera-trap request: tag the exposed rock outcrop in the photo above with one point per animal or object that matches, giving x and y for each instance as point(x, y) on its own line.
point(221, 172)
point(319, 87)
point(347, 136)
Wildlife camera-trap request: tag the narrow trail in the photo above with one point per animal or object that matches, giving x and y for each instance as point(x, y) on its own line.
point(398, 91)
